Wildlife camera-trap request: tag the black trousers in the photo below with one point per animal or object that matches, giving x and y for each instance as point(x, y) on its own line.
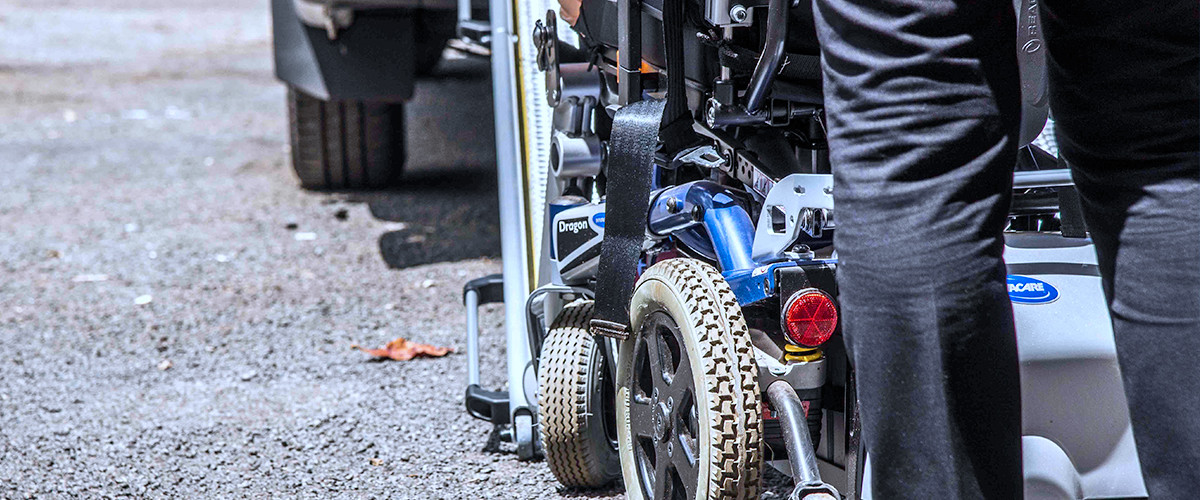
point(923, 104)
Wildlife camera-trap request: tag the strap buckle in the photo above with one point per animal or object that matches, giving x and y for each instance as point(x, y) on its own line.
point(610, 329)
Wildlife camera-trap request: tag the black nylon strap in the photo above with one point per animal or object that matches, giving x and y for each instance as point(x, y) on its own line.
point(630, 171)
point(638, 131)
point(676, 131)
point(677, 105)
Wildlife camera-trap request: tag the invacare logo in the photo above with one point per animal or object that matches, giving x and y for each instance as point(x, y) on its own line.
point(1026, 290)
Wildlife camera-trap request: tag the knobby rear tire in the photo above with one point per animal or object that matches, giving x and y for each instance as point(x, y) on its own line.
point(572, 403)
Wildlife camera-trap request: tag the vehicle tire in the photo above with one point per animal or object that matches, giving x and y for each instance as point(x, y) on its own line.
point(345, 144)
point(689, 411)
point(433, 30)
point(575, 401)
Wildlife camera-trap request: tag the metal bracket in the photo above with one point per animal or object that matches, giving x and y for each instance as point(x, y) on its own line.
point(800, 375)
point(798, 203)
point(817, 491)
point(704, 157)
point(814, 221)
point(545, 38)
point(736, 163)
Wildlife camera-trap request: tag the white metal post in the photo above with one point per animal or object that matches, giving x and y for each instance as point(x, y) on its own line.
point(512, 219)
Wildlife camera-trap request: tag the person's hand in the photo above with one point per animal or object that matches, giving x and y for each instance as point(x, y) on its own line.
point(568, 10)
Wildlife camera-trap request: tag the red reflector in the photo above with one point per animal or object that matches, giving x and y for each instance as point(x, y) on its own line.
point(809, 317)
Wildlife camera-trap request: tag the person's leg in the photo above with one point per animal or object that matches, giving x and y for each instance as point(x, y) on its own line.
point(922, 103)
point(1125, 94)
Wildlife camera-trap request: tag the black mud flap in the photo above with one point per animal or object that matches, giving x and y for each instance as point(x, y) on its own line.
point(371, 60)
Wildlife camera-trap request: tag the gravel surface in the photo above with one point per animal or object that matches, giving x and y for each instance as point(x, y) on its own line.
point(176, 316)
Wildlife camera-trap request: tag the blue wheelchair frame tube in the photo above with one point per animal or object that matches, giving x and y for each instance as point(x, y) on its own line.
point(707, 217)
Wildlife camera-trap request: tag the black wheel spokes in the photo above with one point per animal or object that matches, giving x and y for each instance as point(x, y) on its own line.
point(643, 379)
point(641, 412)
point(686, 455)
point(663, 413)
point(646, 456)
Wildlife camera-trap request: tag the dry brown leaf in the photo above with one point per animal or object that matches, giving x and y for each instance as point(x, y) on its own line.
point(403, 350)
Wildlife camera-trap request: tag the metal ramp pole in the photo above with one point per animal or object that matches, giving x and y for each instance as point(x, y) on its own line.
point(513, 244)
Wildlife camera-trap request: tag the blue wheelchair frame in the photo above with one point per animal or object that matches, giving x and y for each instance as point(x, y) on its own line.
point(708, 218)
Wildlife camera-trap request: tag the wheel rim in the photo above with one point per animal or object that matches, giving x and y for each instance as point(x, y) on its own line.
point(663, 416)
point(608, 388)
point(606, 384)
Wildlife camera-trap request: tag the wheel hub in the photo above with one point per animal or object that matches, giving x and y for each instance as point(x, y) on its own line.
point(661, 417)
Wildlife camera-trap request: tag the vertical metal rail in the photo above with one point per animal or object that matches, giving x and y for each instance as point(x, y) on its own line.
point(464, 11)
point(472, 300)
point(512, 219)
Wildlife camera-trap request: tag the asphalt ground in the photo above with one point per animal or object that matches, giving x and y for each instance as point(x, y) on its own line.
point(177, 316)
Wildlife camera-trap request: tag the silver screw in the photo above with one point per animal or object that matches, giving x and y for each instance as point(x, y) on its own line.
point(738, 13)
point(710, 113)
